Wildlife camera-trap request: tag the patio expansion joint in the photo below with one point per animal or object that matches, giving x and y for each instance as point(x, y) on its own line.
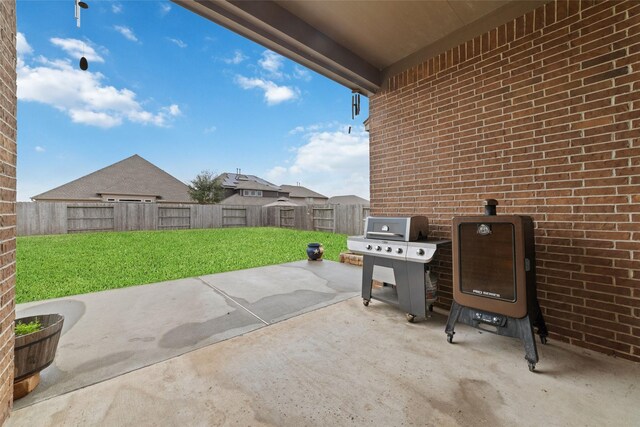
point(229, 297)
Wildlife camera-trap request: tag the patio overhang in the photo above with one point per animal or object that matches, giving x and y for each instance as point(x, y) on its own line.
point(358, 44)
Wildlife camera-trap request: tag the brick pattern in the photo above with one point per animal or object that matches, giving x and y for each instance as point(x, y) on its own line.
point(541, 113)
point(8, 129)
point(351, 258)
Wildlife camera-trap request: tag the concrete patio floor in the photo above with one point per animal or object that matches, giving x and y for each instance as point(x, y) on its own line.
point(293, 345)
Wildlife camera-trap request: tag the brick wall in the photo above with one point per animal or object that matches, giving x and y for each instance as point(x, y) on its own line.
point(542, 114)
point(8, 103)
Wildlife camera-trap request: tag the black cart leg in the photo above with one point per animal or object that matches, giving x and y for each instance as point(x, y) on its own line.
point(525, 329)
point(451, 320)
point(540, 324)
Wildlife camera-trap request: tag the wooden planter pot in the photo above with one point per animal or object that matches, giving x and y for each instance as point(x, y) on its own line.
point(34, 352)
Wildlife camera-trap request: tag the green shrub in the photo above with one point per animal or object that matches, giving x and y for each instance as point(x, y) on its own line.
point(27, 328)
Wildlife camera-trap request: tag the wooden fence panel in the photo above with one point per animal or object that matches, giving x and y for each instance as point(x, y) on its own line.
point(135, 216)
point(287, 217)
point(59, 218)
point(347, 219)
point(171, 218)
point(323, 219)
point(90, 218)
point(234, 217)
point(201, 216)
point(254, 216)
point(304, 218)
point(41, 218)
point(271, 216)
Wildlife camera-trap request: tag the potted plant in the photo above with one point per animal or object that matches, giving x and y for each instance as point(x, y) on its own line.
point(35, 348)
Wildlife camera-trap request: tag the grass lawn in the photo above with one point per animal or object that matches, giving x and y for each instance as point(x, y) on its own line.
point(71, 264)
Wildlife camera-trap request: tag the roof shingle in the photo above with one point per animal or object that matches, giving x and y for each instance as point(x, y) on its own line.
point(131, 176)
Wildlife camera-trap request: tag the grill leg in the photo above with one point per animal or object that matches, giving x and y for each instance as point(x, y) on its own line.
point(367, 277)
point(525, 330)
point(417, 297)
point(539, 323)
point(452, 319)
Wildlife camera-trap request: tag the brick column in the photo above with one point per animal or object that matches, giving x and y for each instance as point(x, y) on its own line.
point(8, 126)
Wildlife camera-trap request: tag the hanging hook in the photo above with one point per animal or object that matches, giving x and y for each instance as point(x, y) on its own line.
point(79, 5)
point(355, 104)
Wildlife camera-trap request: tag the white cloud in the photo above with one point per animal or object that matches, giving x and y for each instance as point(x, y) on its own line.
point(297, 129)
point(301, 74)
point(23, 48)
point(77, 49)
point(165, 8)
point(237, 58)
point(177, 42)
point(126, 32)
point(277, 173)
point(272, 63)
point(93, 118)
point(273, 94)
point(39, 149)
point(333, 126)
point(83, 95)
point(332, 162)
point(173, 110)
point(210, 129)
point(116, 8)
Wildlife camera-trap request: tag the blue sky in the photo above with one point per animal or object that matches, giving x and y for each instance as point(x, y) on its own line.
point(179, 90)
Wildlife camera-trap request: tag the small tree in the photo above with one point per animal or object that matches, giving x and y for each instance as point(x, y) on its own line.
point(205, 189)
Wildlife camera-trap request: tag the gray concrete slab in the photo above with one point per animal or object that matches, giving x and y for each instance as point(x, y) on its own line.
point(109, 333)
point(278, 292)
point(350, 365)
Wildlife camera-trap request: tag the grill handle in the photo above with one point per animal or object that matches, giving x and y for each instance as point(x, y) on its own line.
point(384, 233)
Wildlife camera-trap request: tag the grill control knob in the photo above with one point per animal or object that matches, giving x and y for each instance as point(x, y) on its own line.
point(399, 250)
point(378, 248)
point(369, 247)
point(420, 252)
point(388, 249)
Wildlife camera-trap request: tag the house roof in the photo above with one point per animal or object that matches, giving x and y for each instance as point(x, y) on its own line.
point(282, 202)
point(347, 200)
point(247, 182)
point(131, 176)
point(253, 185)
point(238, 200)
point(300, 191)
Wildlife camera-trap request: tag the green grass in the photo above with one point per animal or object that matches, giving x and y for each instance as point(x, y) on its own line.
point(62, 265)
point(27, 328)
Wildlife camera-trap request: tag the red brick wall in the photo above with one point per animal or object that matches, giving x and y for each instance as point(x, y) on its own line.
point(543, 114)
point(8, 103)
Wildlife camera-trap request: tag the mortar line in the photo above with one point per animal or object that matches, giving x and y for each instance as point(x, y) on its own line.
point(220, 291)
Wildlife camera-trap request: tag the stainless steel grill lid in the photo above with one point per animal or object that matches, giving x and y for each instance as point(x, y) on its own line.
point(410, 229)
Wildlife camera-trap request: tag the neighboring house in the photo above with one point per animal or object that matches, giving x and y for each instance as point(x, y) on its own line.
point(348, 200)
point(303, 196)
point(133, 179)
point(242, 189)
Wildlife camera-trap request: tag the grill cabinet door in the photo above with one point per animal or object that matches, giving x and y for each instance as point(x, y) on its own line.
point(487, 266)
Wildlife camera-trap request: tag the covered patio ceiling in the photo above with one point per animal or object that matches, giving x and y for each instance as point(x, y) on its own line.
point(359, 43)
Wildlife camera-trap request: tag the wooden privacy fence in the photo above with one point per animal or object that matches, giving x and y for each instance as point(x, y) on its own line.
point(61, 218)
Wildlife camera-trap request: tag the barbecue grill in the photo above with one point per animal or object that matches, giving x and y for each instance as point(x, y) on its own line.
point(494, 278)
point(396, 252)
